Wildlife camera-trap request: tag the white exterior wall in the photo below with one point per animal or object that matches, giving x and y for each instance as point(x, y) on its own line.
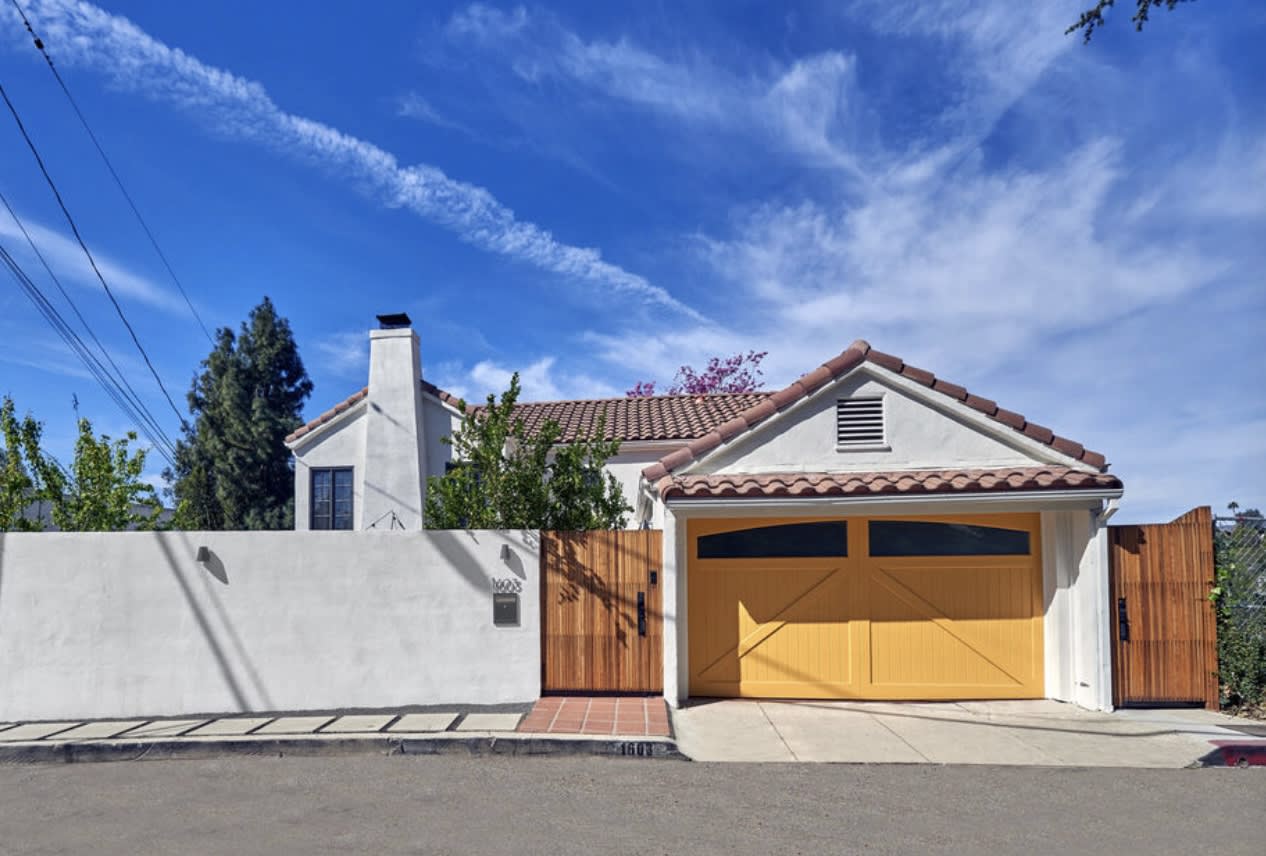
point(341, 444)
point(395, 435)
point(1078, 624)
point(921, 434)
point(627, 468)
point(438, 422)
point(129, 624)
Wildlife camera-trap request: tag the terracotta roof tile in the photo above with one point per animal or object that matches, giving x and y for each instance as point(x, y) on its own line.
point(845, 362)
point(342, 406)
point(660, 417)
point(883, 483)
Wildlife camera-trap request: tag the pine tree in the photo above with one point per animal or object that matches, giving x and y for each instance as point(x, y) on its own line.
point(233, 470)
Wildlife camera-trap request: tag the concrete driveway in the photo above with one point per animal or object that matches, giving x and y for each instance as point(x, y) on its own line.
point(1008, 732)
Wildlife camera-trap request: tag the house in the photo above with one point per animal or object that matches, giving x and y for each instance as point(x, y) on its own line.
point(871, 531)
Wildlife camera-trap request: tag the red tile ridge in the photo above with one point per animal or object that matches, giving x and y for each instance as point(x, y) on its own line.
point(325, 417)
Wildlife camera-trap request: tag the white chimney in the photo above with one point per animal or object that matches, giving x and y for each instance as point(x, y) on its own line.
point(394, 478)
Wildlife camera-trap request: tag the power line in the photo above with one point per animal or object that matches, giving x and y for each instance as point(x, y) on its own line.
point(39, 44)
point(131, 396)
point(91, 261)
point(158, 440)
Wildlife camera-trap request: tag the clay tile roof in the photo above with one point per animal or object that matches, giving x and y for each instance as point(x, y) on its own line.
point(908, 482)
point(341, 407)
point(659, 417)
point(855, 354)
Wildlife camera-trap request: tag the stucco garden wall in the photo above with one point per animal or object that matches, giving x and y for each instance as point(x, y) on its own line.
point(131, 624)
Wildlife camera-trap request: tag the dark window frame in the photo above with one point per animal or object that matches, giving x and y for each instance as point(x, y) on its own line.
point(899, 538)
point(332, 517)
point(799, 540)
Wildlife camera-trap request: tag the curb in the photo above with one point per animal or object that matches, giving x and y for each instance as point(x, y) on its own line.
point(509, 744)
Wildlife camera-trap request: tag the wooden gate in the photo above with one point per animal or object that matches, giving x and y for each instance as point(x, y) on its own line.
point(601, 614)
point(1165, 649)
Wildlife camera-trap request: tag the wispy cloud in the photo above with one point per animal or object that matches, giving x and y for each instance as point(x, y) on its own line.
point(90, 37)
point(539, 380)
point(411, 105)
point(805, 107)
point(344, 354)
point(68, 261)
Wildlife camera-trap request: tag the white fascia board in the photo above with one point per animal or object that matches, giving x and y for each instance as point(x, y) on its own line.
point(1048, 500)
point(317, 432)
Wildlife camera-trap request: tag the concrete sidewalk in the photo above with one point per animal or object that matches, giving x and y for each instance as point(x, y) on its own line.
point(1042, 733)
point(407, 732)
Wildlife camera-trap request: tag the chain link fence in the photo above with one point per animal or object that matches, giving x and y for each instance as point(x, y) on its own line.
point(1239, 544)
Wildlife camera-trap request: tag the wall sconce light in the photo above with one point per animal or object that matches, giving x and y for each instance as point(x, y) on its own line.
point(203, 555)
point(505, 552)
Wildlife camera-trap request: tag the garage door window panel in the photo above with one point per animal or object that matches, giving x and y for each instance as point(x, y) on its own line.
point(923, 538)
point(826, 539)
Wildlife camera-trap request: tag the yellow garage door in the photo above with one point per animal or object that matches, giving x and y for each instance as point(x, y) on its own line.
point(866, 608)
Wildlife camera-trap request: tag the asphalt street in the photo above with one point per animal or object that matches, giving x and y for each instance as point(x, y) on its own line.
point(381, 805)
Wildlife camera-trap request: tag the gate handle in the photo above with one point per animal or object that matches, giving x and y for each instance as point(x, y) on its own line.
point(1123, 621)
point(641, 613)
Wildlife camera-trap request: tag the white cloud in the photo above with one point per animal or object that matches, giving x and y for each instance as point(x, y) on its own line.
point(68, 261)
point(804, 108)
point(90, 37)
point(539, 381)
point(345, 354)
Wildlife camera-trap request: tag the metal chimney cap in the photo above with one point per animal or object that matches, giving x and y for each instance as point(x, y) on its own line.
point(394, 321)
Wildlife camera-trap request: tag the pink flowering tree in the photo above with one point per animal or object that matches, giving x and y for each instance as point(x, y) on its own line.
point(739, 373)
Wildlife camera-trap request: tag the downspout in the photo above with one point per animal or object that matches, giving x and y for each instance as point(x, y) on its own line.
point(1102, 518)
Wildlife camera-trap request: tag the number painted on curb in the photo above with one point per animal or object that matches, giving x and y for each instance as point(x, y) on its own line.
point(639, 750)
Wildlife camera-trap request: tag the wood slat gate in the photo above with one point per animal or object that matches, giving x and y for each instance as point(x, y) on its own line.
point(601, 611)
point(1165, 650)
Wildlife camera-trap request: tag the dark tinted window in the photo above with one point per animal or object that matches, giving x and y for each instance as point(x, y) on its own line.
point(331, 499)
point(919, 538)
point(791, 540)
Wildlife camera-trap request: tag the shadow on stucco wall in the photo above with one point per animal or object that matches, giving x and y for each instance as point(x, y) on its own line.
point(231, 680)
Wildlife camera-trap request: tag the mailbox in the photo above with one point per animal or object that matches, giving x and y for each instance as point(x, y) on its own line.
point(505, 609)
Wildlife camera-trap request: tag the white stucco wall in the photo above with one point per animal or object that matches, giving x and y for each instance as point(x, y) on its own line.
point(439, 422)
point(341, 444)
point(627, 468)
point(921, 434)
point(1078, 625)
point(129, 624)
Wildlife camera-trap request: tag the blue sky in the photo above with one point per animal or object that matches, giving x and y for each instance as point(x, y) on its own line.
point(594, 196)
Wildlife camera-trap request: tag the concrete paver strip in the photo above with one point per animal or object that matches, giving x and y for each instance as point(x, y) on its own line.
point(98, 730)
point(35, 730)
point(166, 727)
point(419, 722)
point(490, 722)
point(231, 727)
point(360, 723)
point(295, 725)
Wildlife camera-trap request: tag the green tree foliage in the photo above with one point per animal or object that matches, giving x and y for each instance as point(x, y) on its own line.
point(1239, 598)
point(509, 478)
point(103, 491)
point(233, 470)
point(26, 475)
point(1092, 18)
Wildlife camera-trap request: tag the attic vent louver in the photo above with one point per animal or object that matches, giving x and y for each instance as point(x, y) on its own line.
point(859, 423)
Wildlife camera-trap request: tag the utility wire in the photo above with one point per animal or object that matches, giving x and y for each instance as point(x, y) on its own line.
point(91, 261)
point(158, 440)
point(131, 395)
point(39, 44)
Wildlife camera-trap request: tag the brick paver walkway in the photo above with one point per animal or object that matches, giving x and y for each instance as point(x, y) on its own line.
point(609, 715)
